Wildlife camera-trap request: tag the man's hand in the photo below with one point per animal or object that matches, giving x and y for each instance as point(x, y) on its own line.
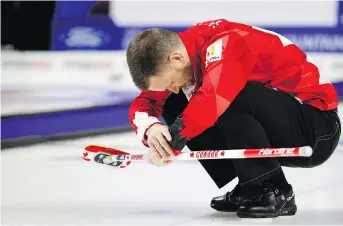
point(154, 158)
point(158, 141)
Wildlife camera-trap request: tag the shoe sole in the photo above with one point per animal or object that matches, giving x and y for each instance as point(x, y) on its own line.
point(288, 211)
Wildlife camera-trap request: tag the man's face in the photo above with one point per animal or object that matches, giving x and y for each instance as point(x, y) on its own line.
point(177, 75)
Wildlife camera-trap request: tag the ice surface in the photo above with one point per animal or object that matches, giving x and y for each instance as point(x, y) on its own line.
point(50, 184)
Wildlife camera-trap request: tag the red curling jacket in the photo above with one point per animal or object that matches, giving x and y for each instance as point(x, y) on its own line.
point(224, 56)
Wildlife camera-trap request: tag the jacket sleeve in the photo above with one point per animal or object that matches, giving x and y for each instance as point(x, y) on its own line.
point(227, 63)
point(145, 110)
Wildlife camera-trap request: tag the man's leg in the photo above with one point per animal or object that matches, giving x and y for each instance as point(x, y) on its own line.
point(281, 116)
point(221, 171)
point(263, 117)
point(326, 131)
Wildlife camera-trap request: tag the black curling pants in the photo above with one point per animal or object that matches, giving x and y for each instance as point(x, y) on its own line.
point(261, 117)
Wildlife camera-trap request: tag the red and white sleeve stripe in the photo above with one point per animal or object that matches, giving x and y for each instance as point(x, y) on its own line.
point(143, 122)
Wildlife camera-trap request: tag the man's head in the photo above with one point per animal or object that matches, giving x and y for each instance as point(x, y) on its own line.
point(158, 60)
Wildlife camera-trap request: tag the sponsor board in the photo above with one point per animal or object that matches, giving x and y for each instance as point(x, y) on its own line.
point(317, 29)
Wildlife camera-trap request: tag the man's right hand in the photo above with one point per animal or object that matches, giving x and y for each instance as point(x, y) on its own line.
point(158, 140)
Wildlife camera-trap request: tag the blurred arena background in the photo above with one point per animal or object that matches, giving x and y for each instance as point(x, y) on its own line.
point(63, 64)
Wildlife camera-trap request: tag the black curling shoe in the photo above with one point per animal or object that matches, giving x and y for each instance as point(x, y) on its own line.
point(229, 202)
point(270, 203)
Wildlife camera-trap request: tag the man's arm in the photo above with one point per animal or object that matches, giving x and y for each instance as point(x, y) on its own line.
point(145, 110)
point(229, 61)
